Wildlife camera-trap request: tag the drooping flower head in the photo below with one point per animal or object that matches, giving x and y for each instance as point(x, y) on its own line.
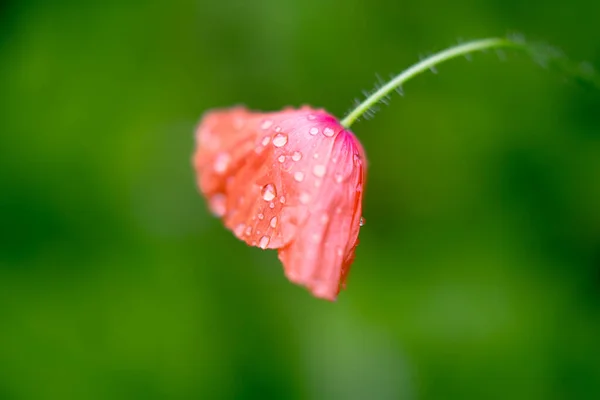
point(291, 180)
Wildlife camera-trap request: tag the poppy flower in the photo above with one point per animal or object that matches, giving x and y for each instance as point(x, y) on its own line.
point(291, 180)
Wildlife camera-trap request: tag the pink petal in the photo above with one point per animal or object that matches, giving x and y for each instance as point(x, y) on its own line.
point(291, 180)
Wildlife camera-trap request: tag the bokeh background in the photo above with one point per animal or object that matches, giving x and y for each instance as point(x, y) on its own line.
point(478, 272)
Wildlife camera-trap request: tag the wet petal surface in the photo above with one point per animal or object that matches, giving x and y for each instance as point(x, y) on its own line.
point(291, 180)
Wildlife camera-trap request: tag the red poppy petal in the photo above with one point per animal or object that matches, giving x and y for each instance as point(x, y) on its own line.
point(239, 170)
point(283, 180)
point(321, 254)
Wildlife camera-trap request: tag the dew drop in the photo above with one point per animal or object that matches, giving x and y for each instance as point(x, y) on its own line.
point(248, 230)
point(296, 156)
point(273, 222)
point(293, 276)
point(239, 229)
point(280, 140)
point(266, 140)
point(282, 199)
point(221, 162)
point(320, 289)
point(362, 221)
point(328, 132)
point(281, 159)
point(268, 192)
point(304, 198)
point(261, 216)
point(313, 131)
point(272, 205)
point(299, 176)
point(264, 242)
point(277, 129)
point(319, 171)
point(266, 124)
point(217, 205)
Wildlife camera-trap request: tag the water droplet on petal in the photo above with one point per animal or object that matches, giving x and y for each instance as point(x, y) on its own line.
point(239, 229)
point(277, 129)
point(266, 140)
point(328, 132)
point(362, 221)
point(280, 140)
point(248, 230)
point(319, 171)
point(264, 242)
point(266, 124)
point(304, 198)
point(273, 222)
point(272, 205)
point(282, 199)
point(217, 205)
point(221, 162)
point(268, 192)
point(299, 176)
point(313, 131)
point(261, 216)
point(296, 156)
point(281, 159)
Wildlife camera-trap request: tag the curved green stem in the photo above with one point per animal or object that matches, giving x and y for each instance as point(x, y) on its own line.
point(424, 65)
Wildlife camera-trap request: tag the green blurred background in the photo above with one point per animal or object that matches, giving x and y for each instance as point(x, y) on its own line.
point(478, 272)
